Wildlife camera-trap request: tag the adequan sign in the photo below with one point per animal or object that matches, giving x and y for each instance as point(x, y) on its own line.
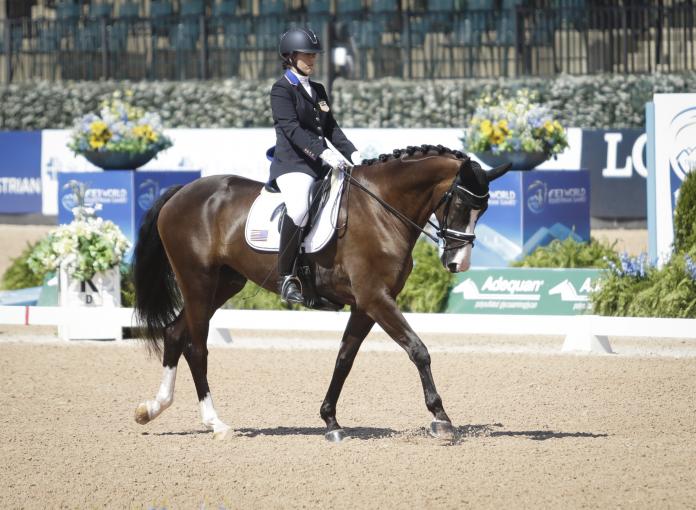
point(522, 291)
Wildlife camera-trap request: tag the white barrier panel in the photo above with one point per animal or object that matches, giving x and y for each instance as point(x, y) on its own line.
point(581, 332)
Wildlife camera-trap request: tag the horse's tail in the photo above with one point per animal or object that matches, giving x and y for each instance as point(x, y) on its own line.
point(157, 296)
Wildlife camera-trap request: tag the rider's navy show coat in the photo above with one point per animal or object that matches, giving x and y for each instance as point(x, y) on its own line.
point(301, 124)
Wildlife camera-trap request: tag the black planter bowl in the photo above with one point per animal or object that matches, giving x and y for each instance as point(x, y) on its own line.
point(119, 160)
point(520, 160)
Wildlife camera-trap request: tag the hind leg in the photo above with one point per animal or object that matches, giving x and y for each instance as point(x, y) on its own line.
point(174, 339)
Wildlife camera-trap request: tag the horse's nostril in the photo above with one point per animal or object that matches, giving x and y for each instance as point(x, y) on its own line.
point(452, 267)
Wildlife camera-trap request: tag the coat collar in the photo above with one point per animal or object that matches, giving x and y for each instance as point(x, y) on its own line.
point(295, 81)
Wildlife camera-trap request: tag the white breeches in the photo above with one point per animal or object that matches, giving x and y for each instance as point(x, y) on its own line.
point(295, 188)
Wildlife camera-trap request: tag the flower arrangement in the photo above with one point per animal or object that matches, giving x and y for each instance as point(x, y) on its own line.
point(518, 124)
point(85, 246)
point(119, 127)
point(632, 267)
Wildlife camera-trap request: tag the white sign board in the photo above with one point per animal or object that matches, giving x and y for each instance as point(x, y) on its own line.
point(671, 129)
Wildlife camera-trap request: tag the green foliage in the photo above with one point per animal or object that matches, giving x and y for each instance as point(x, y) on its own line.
point(127, 286)
point(600, 101)
point(428, 285)
point(570, 254)
point(685, 215)
point(19, 275)
point(253, 297)
point(667, 292)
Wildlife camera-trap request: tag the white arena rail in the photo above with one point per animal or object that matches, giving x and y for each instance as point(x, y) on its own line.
point(581, 332)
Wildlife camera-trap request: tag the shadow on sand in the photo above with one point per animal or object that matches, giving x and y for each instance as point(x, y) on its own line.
point(543, 435)
point(462, 432)
point(489, 430)
point(353, 432)
point(180, 433)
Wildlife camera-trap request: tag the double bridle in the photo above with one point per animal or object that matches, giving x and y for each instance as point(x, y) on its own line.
point(442, 231)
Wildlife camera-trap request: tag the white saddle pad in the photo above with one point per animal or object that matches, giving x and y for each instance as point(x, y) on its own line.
point(261, 230)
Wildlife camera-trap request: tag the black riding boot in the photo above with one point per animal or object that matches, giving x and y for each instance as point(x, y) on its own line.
point(290, 241)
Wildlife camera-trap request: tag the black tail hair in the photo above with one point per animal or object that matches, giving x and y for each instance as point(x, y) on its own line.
point(157, 295)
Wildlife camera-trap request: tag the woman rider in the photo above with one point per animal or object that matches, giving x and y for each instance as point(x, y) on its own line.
point(303, 122)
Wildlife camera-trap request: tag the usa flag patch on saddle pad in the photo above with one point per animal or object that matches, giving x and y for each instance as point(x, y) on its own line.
point(262, 233)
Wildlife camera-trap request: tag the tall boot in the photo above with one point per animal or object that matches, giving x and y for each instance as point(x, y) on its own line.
point(290, 241)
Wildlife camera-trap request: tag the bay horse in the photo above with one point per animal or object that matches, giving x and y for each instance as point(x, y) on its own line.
point(191, 257)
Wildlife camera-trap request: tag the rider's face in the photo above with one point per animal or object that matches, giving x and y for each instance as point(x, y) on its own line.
point(305, 62)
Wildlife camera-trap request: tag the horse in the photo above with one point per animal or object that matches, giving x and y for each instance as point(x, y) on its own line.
point(191, 257)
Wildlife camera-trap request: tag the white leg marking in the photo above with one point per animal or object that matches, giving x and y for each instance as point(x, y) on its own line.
point(165, 395)
point(210, 418)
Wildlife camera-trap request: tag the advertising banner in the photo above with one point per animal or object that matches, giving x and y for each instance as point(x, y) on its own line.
point(120, 196)
point(613, 157)
point(527, 210)
point(522, 291)
point(556, 205)
point(20, 172)
point(671, 128)
point(617, 164)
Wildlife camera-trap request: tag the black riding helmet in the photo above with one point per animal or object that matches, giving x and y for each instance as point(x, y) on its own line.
point(302, 40)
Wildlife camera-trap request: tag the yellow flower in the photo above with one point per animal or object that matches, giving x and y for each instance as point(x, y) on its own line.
point(498, 136)
point(486, 127)
point(98, 127)
point(96, 143)
point(145, 131)
point(557, 125)
point(548, 126)
point(503, 126)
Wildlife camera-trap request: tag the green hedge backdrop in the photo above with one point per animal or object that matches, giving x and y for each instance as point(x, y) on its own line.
point(602, 101)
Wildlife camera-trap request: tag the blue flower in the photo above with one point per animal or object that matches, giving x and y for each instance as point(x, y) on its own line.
point(690, 267)
point(633, 267)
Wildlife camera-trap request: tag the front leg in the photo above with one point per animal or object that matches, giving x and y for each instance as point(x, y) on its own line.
point(382, 307)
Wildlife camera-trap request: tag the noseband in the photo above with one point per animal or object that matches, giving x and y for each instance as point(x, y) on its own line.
point(441, 231)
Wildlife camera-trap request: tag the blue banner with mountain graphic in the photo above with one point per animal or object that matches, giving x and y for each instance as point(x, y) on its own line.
point(527, 210)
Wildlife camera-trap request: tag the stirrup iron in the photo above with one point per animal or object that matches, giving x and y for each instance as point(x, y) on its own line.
point(291, 290)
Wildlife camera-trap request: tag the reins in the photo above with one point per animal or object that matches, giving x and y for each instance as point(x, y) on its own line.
point(442, 232)
point(388, 207)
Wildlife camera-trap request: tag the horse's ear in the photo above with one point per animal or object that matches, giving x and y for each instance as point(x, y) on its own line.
point(499, 171)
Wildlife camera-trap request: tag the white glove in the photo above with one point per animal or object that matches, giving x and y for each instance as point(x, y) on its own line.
point(356, 158)
point(333, 159)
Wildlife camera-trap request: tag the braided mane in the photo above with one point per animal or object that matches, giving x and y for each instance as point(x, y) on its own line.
point(411, 150)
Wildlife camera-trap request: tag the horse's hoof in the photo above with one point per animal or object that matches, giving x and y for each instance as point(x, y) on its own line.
point(220, 433)
point(441, 429)
point(141, 414)
point(336, 436)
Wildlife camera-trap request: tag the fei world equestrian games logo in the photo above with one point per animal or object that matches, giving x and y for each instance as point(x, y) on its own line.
point(148, 192)
point(81, 194)
point(538, 193)
point(540, 196)
point(682, 142)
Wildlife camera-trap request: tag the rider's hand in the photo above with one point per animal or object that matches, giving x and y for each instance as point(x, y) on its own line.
point(356, 158)
point(333, 159)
